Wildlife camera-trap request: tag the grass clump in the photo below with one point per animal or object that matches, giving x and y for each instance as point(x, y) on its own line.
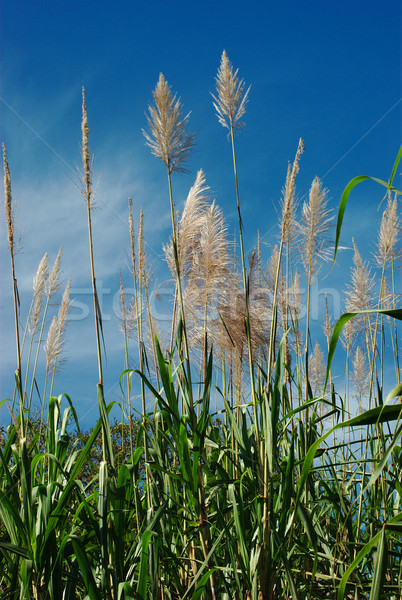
point(277, 491)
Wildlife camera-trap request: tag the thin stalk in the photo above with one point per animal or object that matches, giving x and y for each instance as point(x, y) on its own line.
point(94, 293)
point(396, 354)
point(87, 193)
point(179, 292)
point(11, 231)
point(246, 294)
point(137, 300)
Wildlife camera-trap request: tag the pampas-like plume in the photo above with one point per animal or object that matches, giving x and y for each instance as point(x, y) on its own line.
point(144, 270)
point(233, 313)
point(132, 236)
point(39, 285)
point(52, 346)
point(328, 325)
point(359, 294)
point(209, 270)
point(87, 193)
point(127, 321)
point(54, 283)
point(8, 203)
point(348, 334)
point(273, 265)
point(86, 157)
point(288, 203)
point(168, 137)
point(316, 369)
point(230, 102)
point(295, 295)
point(42, 272)
point(189, 227)
point(316, 221)
point(55, 338)
point(203, 258)
point(10, 232)
point(360, 376)
point(389, 231)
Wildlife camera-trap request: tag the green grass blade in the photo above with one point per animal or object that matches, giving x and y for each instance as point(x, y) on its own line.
point(86, 569)
point(343, 319)
point(380, 567)
point(105, 423)
point(202, 584)
point(144, 567)
point(346, 193)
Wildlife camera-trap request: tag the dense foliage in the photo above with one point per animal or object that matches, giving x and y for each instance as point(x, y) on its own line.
point(245, 476)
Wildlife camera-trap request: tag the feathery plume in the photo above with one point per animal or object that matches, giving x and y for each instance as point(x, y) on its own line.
point(328, 325)
point(316, 221)
point(189, 226)
point(288, 203)
point(348, 334)
point(295, 295)
point(132, 236)
point(230, 102)
point(55, 338)
point(388, 297)
point(122, 302)
point(54, 283)
point(360, 376)
point(8, 203)
point(52, 347)
point(143, 267)
point(39, 285)
point(389, 231)
point(86, 158)
point(316, 369)
point(168, 137)
point(208, 265)
point(359, 294)
point(203, 258)
point(10, 233)
point(259, 308)
point(271, 271)
point(42, 272)
point(127, 320)
point(232, 312)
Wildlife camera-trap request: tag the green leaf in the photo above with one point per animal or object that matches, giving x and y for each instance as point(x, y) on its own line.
point(343, 319)
point(380, 567)
point(104, 415)
point(352, 184)
point(85, 568)
point(143, 572)
point(14, 549)
point(199, 590)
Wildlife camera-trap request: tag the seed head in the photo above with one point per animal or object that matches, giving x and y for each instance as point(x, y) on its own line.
point(54, 284)
point(86, 158)
point(230, 102)
point(360, 376)
point(389, 232)
point(39, 286)
point(168, 137)
point(55, 338)
point(288, 217)
point(8, 204)
point(316, 369)
point(360, 291)
point(315, 223)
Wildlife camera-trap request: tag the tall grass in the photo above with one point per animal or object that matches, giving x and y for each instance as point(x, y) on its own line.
point(249, 478)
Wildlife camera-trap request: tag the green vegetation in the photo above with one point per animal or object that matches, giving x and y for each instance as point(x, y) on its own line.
point(279, 494)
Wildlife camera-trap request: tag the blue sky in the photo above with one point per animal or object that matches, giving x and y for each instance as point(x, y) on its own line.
point(327, 72)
